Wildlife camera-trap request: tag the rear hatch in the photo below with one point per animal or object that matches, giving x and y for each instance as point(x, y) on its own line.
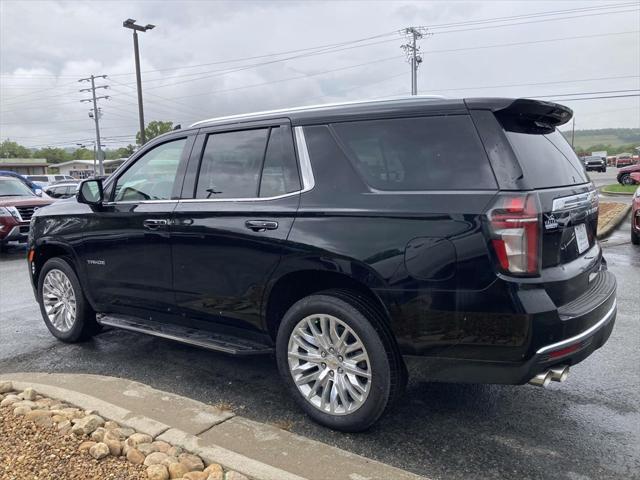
point(560, 195)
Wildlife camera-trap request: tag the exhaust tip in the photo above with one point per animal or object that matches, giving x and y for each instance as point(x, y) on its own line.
point(541, 380)
point(559, 374)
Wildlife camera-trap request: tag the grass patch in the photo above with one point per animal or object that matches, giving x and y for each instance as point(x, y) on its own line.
point(617, 188)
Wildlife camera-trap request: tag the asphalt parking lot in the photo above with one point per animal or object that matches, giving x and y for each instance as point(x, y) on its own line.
point(585, 428)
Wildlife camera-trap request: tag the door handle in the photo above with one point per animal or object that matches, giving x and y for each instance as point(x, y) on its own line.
point(155, 223)
point(261, 225)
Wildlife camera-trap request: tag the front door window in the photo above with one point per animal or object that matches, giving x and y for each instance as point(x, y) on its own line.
point(152, 176)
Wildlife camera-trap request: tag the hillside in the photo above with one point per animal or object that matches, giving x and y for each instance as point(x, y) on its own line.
point(610, 139)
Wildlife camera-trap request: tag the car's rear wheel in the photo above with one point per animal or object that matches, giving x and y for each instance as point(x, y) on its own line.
point(635, 237)
point(64, 308)
point(336, 361)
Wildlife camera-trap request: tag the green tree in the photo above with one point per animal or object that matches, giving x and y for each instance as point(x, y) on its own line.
point(82, 154)
point(9, 149)
point(53, 155)
point(155, 128)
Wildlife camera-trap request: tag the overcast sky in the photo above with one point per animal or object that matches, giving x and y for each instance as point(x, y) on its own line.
point(195, 62)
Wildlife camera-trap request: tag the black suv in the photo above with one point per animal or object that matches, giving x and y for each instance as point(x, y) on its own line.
point(357, 242)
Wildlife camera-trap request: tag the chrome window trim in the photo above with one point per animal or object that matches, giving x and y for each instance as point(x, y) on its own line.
point(573, 201)
point(580, 336)
point(306, 173)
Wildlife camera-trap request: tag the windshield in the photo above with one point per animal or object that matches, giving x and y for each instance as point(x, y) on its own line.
point(11, 187)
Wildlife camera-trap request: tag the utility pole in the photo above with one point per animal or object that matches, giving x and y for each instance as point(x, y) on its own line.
point(96, 114)
point(131, 23)
point(413, 53)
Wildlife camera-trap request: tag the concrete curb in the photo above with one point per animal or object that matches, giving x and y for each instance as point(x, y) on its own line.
point(211, 454)
point(257, 450)
point(613, 224)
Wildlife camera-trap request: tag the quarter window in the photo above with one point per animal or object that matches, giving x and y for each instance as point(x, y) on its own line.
point(425, 153)
point(152, 176)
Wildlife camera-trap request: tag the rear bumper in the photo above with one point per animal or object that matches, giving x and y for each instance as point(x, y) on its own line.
point(564, 337)
point(569, 352)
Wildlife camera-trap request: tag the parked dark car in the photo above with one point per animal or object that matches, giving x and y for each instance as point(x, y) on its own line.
point(624, 174)
point(17, 204)
point(635, 212)
point(595, 163)
point(64, 189)
point(455, 239)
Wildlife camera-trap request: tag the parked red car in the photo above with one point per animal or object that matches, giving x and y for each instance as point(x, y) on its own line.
point(635, 212)
point(624, 175)
point(17, 204)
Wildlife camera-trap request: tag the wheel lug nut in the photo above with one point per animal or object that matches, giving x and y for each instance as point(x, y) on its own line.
point(324, 365)
point(331, 373)
point(324, 354)
point(340, 358)
point(340, 370)
point(331, 350)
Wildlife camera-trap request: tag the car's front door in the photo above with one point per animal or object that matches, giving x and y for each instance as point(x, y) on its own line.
point(126, 248)
point(229, 236)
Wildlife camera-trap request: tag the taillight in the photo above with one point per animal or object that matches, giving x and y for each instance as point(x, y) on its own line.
point(514, 222)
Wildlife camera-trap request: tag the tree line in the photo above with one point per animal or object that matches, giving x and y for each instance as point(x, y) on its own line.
point(11, 149)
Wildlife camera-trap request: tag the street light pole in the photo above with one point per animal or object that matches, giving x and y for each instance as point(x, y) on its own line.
point(131, 24)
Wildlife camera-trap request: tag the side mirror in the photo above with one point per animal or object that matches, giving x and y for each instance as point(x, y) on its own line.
point(90, 192)
point(38, 192)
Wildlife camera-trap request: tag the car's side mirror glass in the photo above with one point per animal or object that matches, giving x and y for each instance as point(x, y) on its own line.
point(38, 192)
point(90, 192)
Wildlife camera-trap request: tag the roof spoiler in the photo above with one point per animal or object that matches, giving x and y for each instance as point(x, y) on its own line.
point(525, 115)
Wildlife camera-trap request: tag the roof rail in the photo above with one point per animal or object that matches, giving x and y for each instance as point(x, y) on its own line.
point(315, 107)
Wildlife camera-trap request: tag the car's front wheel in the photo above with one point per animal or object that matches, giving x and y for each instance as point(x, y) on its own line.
point(337, 361)
point(626, 179)
point(65, 310)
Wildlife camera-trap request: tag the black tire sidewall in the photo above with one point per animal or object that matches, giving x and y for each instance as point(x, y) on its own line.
point(379, 393)
point(83, 310)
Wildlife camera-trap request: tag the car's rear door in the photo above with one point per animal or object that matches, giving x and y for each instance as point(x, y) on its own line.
point(230, 229)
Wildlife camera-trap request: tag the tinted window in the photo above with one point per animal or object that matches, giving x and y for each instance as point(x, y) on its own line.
point(38, 178)
point(280, 172)
point(59, 177)
point(152, 176)
point(426, 153)
point(231, 164)
point(547, 160)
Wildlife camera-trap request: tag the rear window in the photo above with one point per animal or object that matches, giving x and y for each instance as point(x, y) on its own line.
point(38, 178)
point(547, 160)
point(425, 153)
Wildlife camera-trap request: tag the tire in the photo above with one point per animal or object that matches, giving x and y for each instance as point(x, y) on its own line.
point(363, 399)
point(626, 179)
point(58, 272)
point(635, 237)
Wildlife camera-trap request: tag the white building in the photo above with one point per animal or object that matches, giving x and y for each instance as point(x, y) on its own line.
point(85, 168)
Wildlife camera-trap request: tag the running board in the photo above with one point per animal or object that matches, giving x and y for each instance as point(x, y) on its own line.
point(220, 342)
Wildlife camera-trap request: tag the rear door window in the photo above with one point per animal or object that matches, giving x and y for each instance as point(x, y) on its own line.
point(547, 160)
point(424, 153)
point(231, 164)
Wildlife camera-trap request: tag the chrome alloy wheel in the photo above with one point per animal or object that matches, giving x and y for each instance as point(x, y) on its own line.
point(329, 364)
point(59, 300)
